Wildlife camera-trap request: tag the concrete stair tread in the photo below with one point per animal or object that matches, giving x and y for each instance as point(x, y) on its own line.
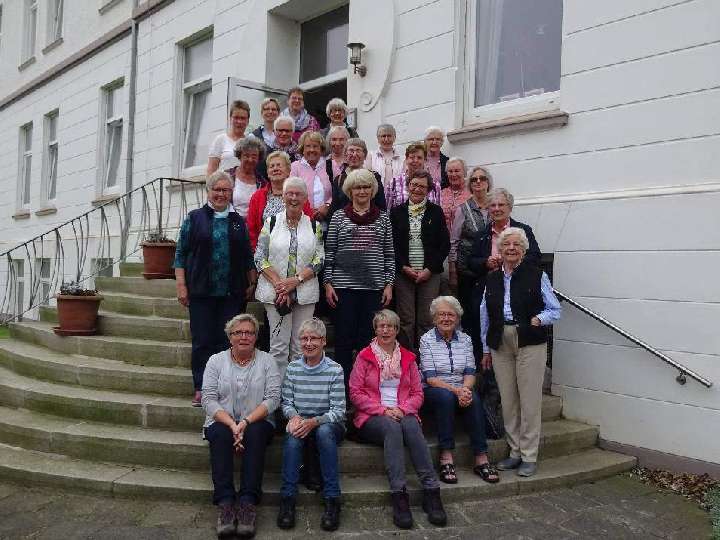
point(38, 467)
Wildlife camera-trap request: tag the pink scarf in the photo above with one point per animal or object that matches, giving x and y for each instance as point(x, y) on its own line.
point(389, 364)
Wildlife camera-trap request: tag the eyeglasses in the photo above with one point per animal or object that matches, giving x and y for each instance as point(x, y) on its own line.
point(414, 185)
point(310, 339)
point(283, 130)
point(242, 333)
point(446, 314)
point(474, 179)
point(222, 190)
point(358, 188)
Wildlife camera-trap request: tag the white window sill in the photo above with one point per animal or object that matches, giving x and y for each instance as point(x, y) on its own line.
point(27, 63)
point(46, 211)
point(102, 199)
point(53, 45)
point(514, 124)
point(21, 214)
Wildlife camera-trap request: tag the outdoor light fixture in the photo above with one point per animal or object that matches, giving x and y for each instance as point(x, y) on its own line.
point(356, 58)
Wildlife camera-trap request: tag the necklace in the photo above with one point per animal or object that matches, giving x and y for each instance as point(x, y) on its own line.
point(241, 363)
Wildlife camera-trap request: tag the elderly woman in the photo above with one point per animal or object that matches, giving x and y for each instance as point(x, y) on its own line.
point(214, 272)
point(396, 192)
point(386, 390)
point(436, 161)
point(304, 121)
point(283, 130)
point(456, 193)
point(268, 200)
point(337, 137)
point(240, 392)
point(422, 242)
point(222, 150)
point(359, 266)
point(355, 153)
point(336, 110)
point(250, 151)
point(311, 168)
point(288, 257)
point(447, 362)
point(270, 110)
point(471, 219)
point(386, 161)
point(518, 306)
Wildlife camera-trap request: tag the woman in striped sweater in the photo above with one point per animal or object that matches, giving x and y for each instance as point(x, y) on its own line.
point(359, 266)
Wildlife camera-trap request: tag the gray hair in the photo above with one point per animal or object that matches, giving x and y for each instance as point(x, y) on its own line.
point(356, 141)
point(283, 118)
point(359, 177)
point(279, 154)
point(485, 172)
point(248, 144)
point(434, 129)
point(386, 315)
point(243, 317)
point(314, 326)
point(215, 177)
point(457, 159)
point(335, 129)
point(295, 182)
point(450, 301)
point(501, 192)
point(386, 127)
point(513, 231)
point(335, 103)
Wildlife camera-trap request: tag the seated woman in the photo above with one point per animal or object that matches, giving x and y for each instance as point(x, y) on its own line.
point(447, 363)
point(240, 391)
point(386, 390)
point(514, 335)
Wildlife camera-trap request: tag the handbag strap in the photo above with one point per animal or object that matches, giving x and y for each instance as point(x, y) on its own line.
point(472, 217)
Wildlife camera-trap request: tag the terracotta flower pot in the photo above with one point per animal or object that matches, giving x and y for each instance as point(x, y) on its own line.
point(77, 315)
point(158, 258)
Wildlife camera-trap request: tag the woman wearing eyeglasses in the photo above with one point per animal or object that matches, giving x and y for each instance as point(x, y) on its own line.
point(241, 390)
point(214, 272)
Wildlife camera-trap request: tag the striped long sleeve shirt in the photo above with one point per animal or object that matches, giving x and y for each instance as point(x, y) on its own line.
point(314, 392)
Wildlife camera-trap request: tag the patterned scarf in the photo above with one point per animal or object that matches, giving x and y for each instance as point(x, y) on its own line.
point(418, 209)
point(389, 363)
point(302, 119)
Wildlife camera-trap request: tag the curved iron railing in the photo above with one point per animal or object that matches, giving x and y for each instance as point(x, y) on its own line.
point(684, 371)
point(92, 243)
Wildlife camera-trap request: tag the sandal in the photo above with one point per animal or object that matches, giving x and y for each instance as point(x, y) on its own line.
point(487, 472)
point(447, 473)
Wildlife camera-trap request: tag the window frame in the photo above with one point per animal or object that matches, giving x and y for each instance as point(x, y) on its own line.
point(108, 126)
point(545, 102)
point(55, 21)
point(49, 169)
point(24, 182)
point(28, 48)
point(44, 281)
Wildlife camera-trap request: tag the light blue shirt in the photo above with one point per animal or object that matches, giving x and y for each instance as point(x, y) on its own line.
point(549, 315)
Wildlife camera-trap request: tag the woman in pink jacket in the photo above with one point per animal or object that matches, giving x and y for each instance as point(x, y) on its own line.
point(311, 168)
point(387, 393)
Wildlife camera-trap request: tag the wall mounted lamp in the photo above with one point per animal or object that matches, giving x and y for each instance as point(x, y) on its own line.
point(356, 58)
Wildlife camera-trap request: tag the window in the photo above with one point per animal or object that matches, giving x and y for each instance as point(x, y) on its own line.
point(25, 165)
point(54, 20)
point(111, 113)
point(42, 268)
point(323, 43)
point(196, 88)
point(17, 271)
point(50, 164)
point(29, 29)
point(514, 49)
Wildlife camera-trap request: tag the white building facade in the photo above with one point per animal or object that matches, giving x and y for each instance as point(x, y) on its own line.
point(602, 118)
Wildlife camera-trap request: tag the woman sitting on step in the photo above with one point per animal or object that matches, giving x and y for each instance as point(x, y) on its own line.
point(514, 337)
point(240, 392)
point(387, 393)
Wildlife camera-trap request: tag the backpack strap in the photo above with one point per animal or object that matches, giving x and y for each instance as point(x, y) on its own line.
point(470, 215)
point(272, 222)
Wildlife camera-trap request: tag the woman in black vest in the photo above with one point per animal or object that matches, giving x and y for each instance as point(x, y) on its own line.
point(214, 272)
point(514, 338)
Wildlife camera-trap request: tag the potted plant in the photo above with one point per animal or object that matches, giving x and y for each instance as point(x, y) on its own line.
point(77, 310)
point(158, 256)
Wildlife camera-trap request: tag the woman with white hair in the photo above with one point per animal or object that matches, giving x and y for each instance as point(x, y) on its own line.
point(336, 138)
point(386, 160)
point(436, 161)
point(518, 306)
point(456, 192)
point(447, 362)
point(250, 151)
point(355, 154)
point(336, 110)
point(311, 168)
point(289, 257)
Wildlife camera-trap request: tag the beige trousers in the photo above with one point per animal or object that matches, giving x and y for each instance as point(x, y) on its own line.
point(519, 372)
point(412, 303)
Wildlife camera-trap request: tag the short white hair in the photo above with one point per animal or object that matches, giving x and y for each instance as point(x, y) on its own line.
point(457, 159)
point(295, 182)
point(434, 129)
point(241, 318)
point(513, 231)
point(335, 103)
point(216, 177)
point(335, 129)
point(501, 192)
point(283, 118)
point(314, 326)
point(450, 301)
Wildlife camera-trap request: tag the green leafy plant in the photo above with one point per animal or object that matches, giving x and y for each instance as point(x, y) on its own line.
point(713, 502)
point(156, 237)
point(75, 289)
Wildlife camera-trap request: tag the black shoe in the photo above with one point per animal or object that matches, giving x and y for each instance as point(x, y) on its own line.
point(226, 521)
point(286, 514)
point(330, 520)
point(433, 507)
point(402, 516)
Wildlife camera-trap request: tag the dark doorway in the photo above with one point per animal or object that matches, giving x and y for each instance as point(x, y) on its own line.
point(317, 99)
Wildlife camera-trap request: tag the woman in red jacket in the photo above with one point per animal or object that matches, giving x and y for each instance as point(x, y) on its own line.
point(387, 393)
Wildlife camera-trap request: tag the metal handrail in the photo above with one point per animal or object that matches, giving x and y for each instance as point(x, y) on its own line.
point(684, 371)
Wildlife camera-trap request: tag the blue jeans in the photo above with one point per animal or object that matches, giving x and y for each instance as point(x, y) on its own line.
point(444, 405)
point(327, 437)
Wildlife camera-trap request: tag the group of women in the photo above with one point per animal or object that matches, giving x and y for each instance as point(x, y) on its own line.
point(359, 232)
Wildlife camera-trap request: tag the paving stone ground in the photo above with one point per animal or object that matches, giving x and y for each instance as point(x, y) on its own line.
point(616, 508)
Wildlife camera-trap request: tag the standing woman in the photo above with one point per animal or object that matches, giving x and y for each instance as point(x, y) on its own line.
point(311, 168)
point(386, 160)
point(396, 191)
point(355, 153)
point(337, 137)
point(240, 392)
point(436, 161)
point(336, 111)
point(304, 121)
point(270, 110)
point(359, 266)
point(514, 336)
point(222, 150)
point(250, 151)
point(214, 272)
point(456, 193)
point(289, 256)
point(422, 242)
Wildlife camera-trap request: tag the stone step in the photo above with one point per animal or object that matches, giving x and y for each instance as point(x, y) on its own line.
point(151, 306)
point(140, 410)
point(42, 363)
point(31, 467)
point(162, 288)
point(131, 269)
point(142, 352)
point(186, 450)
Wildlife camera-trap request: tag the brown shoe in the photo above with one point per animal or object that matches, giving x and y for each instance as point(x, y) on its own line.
point(246, 515)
